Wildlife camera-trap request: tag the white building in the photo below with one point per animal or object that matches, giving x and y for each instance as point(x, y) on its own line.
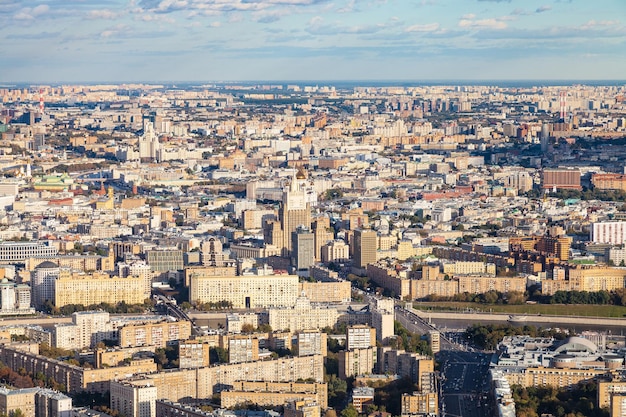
point(613, 233)
point(134, 398)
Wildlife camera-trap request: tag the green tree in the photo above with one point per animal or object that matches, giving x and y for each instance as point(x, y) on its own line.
point(349, 411)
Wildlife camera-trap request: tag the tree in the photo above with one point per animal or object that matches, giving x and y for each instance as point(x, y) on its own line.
point(349, 411)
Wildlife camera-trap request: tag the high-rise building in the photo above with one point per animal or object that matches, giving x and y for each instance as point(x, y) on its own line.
point(295, 211)
point(360, 337)
point(303, 253)
point(365, 245)
point(42, 283)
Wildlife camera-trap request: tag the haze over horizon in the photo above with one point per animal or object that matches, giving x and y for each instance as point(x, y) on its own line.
point(238, 40)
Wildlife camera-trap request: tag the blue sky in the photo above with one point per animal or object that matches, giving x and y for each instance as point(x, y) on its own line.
point(230, 40)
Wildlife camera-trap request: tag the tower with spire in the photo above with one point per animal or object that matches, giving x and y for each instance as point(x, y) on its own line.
point(295, 211)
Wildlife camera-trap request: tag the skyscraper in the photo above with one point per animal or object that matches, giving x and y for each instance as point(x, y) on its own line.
point(303, 254)
point(365, 246)
point(295, 211)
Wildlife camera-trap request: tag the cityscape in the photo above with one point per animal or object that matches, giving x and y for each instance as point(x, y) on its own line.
point(312, 208)
point(307, 249)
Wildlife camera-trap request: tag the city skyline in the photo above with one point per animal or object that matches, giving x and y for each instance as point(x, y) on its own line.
point(244, 40)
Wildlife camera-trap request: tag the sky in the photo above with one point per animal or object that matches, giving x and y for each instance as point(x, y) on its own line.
point(69, 41)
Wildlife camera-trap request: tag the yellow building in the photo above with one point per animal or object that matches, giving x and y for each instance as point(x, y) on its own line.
point(274, 393)
point(557, 377)
point(420, 404)
point(356, 362)
point(13, 400)
point(193, 354)
point(331, 291)
point(97, 287)
point(482, 284)
point(244, 291)
point(586, 279)
point(74, 378)
point(154, 334)
point(302, 317)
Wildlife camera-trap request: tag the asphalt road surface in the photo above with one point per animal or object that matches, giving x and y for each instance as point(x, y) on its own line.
point(464, 384)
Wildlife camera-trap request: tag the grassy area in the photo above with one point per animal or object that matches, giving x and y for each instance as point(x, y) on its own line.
point(590, 310)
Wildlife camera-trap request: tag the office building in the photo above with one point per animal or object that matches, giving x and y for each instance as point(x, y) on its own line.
point(163, 260)
point(20, 251)
point(561, 179)
point(365, 247)
point(303, 253)
point(42, 283)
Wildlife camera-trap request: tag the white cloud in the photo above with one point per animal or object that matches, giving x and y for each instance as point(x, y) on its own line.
point(482, 24)
point(103, 14)
point(31, 13)
point(430, 27)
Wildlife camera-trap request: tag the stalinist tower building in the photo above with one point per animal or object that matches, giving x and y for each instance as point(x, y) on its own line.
point(295, 211)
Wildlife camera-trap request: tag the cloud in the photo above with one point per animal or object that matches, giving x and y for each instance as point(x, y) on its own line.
point(542, 9)
point(349, 7)
point(31, 13)
point(318, 27)
point(430, 27)
point(105, 14)
point(482, 23)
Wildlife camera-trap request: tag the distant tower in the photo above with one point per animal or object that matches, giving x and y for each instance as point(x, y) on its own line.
point(563, 104)
point(41, 101)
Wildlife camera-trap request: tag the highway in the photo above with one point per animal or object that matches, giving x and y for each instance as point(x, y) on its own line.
point(464, 387)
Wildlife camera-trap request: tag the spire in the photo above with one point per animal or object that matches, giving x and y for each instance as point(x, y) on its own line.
point(294, 186)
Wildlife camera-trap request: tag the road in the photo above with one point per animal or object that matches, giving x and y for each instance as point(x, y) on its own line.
point(464, 385)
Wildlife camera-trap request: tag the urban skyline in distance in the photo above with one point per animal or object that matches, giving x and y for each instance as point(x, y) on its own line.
point(246, 40)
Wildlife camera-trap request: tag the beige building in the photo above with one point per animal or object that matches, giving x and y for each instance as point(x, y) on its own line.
point(243, 348)
point(329, 291)
point(607, 390)
point(302, 316)
point(245, 291)
point(75, 378)
point(420, 404)
point(356, 362)
point(480, 284)
point(365, 247)
point(274, 393)
point(97, 287)
point(469, 268)
point(558, 377)
point(335, 251)
point(134, 398)
point(312, 342)
point(21, 399)
point(585, 279)
point(153, 334)
point(193, 354)
point(360, 337)
point(176, 384)
point(395, 280)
